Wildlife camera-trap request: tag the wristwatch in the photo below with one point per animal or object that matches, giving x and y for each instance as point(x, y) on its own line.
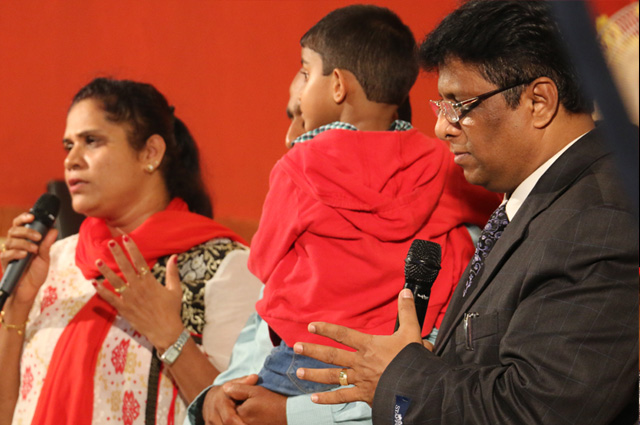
point(172, 353)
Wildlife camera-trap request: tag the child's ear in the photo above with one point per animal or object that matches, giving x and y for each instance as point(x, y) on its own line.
point(339, 85)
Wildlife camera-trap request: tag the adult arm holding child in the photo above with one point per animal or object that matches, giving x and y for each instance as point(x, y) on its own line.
point(234, 398)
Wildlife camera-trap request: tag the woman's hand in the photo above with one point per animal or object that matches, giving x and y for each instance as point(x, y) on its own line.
point(152, 309)
point(21, 241)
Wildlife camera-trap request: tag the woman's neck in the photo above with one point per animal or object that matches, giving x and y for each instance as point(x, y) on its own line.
point(133, 217)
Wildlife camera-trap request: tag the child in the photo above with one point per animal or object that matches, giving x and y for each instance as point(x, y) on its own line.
point(346, 202)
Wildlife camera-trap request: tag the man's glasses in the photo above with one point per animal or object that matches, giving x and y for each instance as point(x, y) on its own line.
point(453, 111)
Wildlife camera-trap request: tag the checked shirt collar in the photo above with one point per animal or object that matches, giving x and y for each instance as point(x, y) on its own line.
point(397, 125)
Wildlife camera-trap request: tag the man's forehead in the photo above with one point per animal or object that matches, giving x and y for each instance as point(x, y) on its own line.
point(455, 75)
point(456, 64)
point(296, 84)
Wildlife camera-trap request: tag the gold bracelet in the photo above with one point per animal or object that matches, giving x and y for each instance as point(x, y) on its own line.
point(18, 328)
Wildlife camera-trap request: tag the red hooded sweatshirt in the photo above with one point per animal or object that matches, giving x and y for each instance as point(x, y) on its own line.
point(338, 221)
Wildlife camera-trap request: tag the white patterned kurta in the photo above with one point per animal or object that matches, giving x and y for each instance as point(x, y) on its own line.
point(219, 293)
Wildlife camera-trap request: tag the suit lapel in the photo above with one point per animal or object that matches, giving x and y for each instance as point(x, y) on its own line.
point(564, 171)
point(499, 254)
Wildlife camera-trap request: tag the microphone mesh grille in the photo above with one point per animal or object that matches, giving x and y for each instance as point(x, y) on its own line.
point(423, 261)
point(46, 208)
point(49, 203)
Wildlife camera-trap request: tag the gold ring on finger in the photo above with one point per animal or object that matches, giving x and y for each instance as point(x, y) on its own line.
point(342, 378)
point(143, 271)
point(121, 289)
point(3, 247)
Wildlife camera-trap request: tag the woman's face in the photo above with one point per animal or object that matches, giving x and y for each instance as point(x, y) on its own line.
point(102, 171)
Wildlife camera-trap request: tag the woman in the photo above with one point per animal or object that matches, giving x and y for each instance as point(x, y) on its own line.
point(110, 326)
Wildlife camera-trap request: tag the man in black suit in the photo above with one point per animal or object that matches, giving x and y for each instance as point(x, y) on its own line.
point(542, 326)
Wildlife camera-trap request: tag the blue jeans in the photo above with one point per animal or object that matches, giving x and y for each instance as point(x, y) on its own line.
point(278, 373)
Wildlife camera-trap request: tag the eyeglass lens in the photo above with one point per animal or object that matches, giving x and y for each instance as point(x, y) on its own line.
point(446, 108)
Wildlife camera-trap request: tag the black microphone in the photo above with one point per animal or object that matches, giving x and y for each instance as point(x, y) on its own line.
point(421, 268)
point(45, 211)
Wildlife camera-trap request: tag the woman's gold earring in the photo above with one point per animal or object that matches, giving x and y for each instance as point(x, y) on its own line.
point(149, 168)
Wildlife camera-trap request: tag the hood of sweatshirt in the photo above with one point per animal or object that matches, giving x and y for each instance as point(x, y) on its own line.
point(376, 182)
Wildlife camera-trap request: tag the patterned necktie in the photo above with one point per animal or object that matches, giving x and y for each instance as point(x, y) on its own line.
point(488, 238)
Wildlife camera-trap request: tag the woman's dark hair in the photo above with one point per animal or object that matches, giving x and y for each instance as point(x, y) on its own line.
point(509, 42)
point(147, 112)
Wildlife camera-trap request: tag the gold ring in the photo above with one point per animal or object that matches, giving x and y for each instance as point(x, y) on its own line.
point(3, 247)
point(143, 271)
point(121, 289)
point(342, 378)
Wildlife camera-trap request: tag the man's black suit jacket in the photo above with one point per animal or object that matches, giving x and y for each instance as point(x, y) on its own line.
point(551, 335)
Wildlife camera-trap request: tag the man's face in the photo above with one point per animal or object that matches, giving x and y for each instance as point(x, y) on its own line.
point(492, 142)
point(296, 128)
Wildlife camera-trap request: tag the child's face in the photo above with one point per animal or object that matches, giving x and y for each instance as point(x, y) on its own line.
point(316, 98)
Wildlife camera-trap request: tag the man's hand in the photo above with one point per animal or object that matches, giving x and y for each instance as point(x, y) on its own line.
point(220, 409)
point(257, 405)
point(364, 366)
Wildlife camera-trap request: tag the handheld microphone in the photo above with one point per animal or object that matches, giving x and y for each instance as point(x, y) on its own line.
point(45, 211)
point(421, 268)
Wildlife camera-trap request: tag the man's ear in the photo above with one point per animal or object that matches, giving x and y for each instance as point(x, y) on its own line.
point(153, 152)
point(340, 85)
point(542, 95)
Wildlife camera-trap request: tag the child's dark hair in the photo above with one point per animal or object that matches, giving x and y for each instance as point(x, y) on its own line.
point(147, 112)
point(372, 43)
point(509, 41)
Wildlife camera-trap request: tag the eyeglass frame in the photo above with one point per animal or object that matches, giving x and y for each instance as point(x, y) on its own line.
point(464, 106)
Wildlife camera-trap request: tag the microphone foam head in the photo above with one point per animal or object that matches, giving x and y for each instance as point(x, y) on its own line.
point(46, 208)
point(423, 261)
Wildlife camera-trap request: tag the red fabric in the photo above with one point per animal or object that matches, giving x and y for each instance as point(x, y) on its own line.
point(173, 230)
point(67, 392)
point(338, 221)
point(172, 410)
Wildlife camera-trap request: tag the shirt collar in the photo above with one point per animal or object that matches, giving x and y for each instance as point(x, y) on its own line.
point(517, 198)
point(397, 125)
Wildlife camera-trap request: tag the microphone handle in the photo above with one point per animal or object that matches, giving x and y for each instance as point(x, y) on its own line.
point(16, 268)
point(421, 295)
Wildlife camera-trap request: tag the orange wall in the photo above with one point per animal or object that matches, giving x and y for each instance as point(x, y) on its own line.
point(225, 64)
